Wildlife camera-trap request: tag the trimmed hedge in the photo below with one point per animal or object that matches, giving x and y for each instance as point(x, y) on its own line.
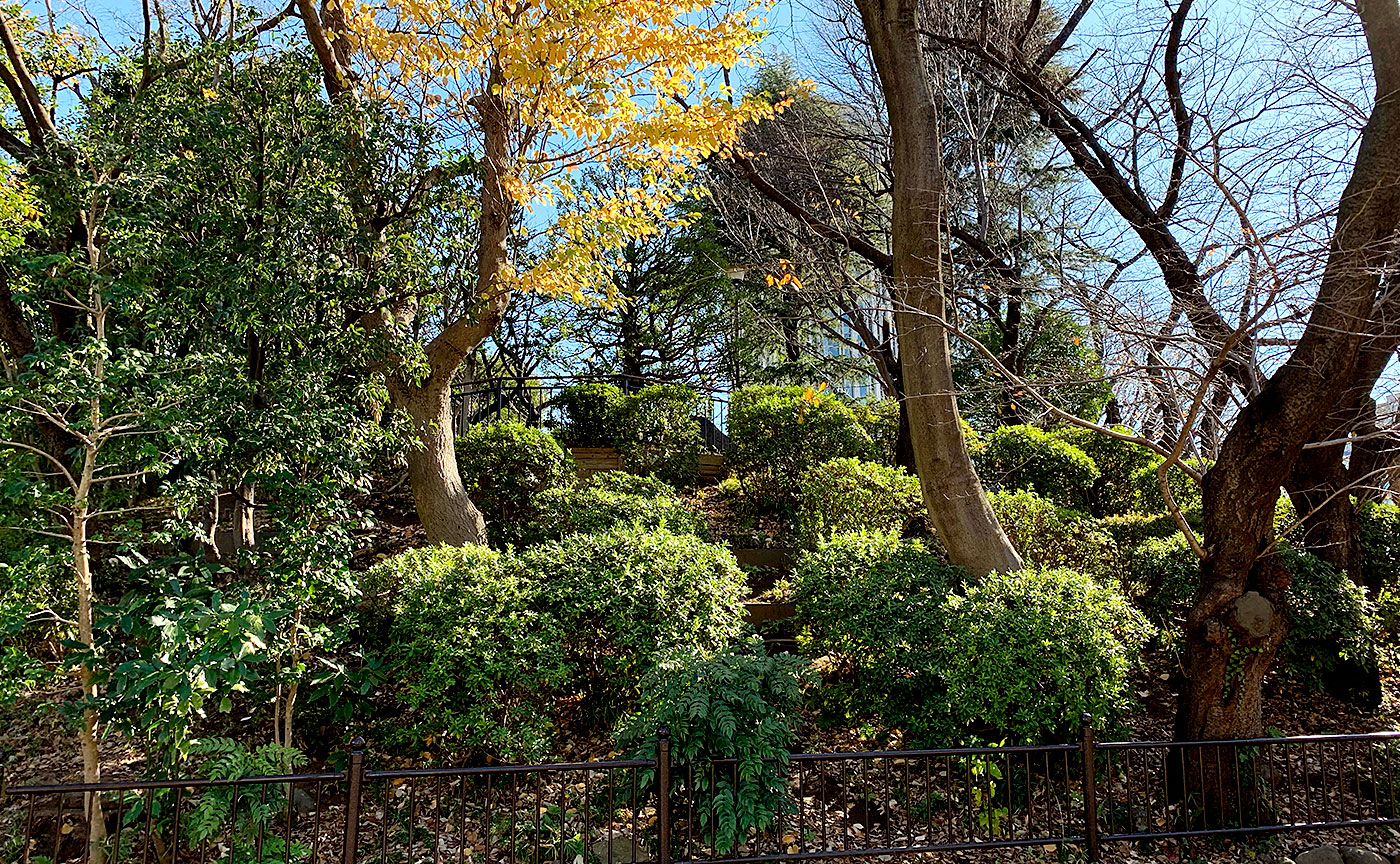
point(504, 466)
point(776, 433)
point(590, 508)
point(1028, 653)
point(1114, 492)
point(1026, 457)
point(487, 646)
point(843, 495)
point(625, 595)
point(1048, 535)
point(1015, 656)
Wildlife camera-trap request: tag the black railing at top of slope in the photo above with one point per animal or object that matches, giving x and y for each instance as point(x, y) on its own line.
point(535, 402)
point(651, 811)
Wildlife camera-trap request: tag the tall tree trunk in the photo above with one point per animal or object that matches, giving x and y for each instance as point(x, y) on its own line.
point(957, 505)
point(446, 511)
point(1239, 617)
point(87, 730)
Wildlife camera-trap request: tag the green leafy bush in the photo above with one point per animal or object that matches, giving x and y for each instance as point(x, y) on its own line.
point(1163, 573)
point(844, 495)
point(1114, 492)
point(623, 596)
point(1028, 653)
point(590, 415)
point(874, 604)
point(477, 656)
point(778, 432)
point(1332, 621)
point(736, 703)
point(487, 644)
point(626, 483)
point(589, 508)
point(659, 435)
point(1048, 535)
point(1016, 656)
point(881, 422)
point(1186, 491)
point(1025, 457)
point(1380, 544)
point(1130, 530)
point(504, 466)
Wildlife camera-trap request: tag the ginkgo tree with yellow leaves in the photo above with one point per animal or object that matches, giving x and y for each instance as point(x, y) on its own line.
point(534, 91)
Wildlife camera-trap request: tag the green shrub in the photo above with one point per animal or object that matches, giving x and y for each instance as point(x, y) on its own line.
point(477, 659)
point(1028, 653)
point(486, 644)
point(1048, 535)
point(1163, 573)
point(1379, 525)
point(1025, 457)
point(1186, 491)
point(590, 415)
point(626, 483)
point(1017, 656)
point(881, 422)
point(504, 467)
point(589, 509)
point(1332, 621)
point(778, 432)
point(659, 435)
point(735, 703)
point(1117, 460)
point(844, 495)
point(874, 604)
point(1130, 530)
point(623, 596)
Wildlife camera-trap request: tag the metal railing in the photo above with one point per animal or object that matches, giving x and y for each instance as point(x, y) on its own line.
point(654, 811)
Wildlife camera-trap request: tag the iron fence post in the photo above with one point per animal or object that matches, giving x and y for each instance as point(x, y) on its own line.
point(1091, 797)
point(663, 796)
point(355, 774)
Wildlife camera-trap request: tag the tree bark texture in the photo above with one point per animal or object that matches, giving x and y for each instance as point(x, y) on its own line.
point(1239, 618)
point(957, 504)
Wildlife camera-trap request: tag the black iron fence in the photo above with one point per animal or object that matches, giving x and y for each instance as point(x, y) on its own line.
point(535, 402)
point(651, 811)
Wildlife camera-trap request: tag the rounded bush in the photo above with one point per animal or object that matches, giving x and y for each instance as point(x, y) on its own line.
point(1028, 653)
point(1025, 457)
point(626, 483)
point(778, 432)
point(1380, 544)
point(844, 495)
point(1130, 530)
point(1048, 535)
point(589, 509)
point(590, 415)
point(504, 466)
point(659, 433)
point(1185, 491)
point(1117, 460)
point(1332, 622)
point(881, 422)
point(873, 605)
point(1163, 573)
point(476, 658)
point(624, 596)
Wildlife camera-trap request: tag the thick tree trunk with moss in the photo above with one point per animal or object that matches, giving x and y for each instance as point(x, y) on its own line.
point(954, 496)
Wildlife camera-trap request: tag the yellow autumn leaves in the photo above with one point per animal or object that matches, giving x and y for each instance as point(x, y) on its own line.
point(586, 82)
